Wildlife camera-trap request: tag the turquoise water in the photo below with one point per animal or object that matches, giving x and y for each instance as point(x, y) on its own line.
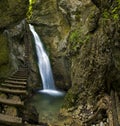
point(48, 106)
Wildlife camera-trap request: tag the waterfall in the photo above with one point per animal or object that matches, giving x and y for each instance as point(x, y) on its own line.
point(43, 62)
point(44, 67)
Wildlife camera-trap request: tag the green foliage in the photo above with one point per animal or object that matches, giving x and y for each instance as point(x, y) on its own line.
point(106, 15)
point(113, 12)
point(70, 98)
point(116, 16)
point(30, 9)
point(32, 2)
point(74, 36)
point(4, 70)
point(118, 1)
point(76, 40)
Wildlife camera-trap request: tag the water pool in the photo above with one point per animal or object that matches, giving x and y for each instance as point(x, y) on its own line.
point(47, 106)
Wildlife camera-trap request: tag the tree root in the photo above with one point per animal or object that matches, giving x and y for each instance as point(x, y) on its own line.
point(107, 104)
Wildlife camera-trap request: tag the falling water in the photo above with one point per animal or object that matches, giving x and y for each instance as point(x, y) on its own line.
point(44, 66)
point(43, 62)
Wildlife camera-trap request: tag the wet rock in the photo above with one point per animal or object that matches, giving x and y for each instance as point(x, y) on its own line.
point(4, 56)
point(92, 20)
point(30, 115)
point(12, 12)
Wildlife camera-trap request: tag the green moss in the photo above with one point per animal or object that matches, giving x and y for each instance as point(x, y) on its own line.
point(77, 39)
point(71, 97)
point(4, 70)
point(4, 56)
point(74, 36)
point(3, 5)
point(12, 11)
point(113, 13)
point(4, 51)
point(106, 15)
point(30, 9)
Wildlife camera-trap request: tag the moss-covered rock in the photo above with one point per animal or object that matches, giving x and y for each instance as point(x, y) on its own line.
point(12, 11)
point(71, 98)
point(4, 50)
point(95, 64)
point(4, 56)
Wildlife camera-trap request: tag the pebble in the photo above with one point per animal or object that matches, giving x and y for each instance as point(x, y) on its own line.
point(107, 120)
point(101, 124)
point(83, 113)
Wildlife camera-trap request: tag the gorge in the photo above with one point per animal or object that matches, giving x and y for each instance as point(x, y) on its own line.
point(82, 39)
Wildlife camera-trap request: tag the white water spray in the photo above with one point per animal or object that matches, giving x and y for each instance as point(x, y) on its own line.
point(44, 66)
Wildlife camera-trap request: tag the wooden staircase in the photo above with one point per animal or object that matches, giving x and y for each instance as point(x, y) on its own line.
point(15, 82)
point(12, 91)
point(11, 102)
point(14, 86)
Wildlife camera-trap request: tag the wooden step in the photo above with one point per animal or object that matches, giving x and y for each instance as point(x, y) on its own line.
point(10, 120)
point(20, 74)
point(15, 86)
point(16, 79)
point(23, 68)
point(12, 91)
point(22, 71)
point(11, 102)
point(15, 82)
point(19, 77)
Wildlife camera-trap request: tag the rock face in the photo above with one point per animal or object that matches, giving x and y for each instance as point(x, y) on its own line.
point(4, 55)
point(95, 62)
point(12, 12)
